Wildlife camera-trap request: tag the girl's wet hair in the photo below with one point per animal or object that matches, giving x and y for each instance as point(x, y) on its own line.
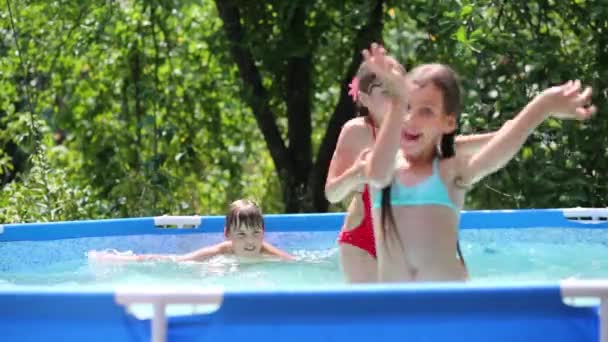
point(244, 212)
point(367, 81)
point(444, 78)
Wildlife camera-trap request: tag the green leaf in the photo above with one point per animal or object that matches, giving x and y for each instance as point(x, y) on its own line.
point(466, 10)
point(461, 35)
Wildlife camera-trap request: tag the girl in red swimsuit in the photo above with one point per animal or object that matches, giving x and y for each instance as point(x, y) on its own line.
point(345, 176)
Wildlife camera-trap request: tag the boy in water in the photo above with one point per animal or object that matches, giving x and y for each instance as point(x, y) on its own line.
point(244, 232)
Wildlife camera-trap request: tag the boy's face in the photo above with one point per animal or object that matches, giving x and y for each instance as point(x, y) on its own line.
point(247, 240)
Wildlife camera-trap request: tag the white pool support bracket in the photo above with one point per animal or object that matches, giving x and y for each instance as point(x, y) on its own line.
point(177, 221)
point(590, 215)
point(159, 299)
point(590, 289)
point(1, 229)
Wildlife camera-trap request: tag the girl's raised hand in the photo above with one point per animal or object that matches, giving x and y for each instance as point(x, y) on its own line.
point(387, 69)
point(568, 101)
point(360, 164)
point(377, 59)
point(363, 157)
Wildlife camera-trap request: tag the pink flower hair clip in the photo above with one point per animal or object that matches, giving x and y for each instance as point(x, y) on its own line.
point(354, 89)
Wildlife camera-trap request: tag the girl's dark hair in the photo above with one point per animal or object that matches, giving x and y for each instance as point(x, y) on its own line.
point(366, 80)
point(444, 78)
point(245, 212)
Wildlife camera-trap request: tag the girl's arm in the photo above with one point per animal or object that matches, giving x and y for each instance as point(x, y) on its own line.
point(381, 165)
point(345, 172)
point(565, 99)
point(471, 143)
point(272, 250)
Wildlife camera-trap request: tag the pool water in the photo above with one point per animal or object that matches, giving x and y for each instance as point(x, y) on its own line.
point(492, 256)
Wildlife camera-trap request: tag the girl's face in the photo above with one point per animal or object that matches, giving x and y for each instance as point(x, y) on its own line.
point(247, 241)
point(425, 121)
point(376, 100)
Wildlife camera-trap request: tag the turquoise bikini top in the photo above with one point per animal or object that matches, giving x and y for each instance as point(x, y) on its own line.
point(430, 191)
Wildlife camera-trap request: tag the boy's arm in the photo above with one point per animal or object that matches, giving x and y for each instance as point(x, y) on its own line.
point(124, 257)
point(197, 255)
point(272, 250)
point(206, 252)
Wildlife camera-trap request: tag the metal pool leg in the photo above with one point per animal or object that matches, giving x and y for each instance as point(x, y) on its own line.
point(159, 323)
point(604, 319)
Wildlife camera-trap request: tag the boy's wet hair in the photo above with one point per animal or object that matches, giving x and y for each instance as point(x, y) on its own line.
point(243, 212)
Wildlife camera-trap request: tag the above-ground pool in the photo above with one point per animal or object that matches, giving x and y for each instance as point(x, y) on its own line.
point(522, 263)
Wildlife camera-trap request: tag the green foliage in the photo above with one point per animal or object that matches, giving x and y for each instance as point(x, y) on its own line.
point(506, 52)
point(155, 122)
point(50, 193)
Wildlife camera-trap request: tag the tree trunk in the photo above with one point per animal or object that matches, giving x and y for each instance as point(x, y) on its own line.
point(258, 100)
point(298, 89)
point(302, 182)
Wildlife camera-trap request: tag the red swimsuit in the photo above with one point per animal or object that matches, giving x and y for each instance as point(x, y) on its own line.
point(362, 236)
